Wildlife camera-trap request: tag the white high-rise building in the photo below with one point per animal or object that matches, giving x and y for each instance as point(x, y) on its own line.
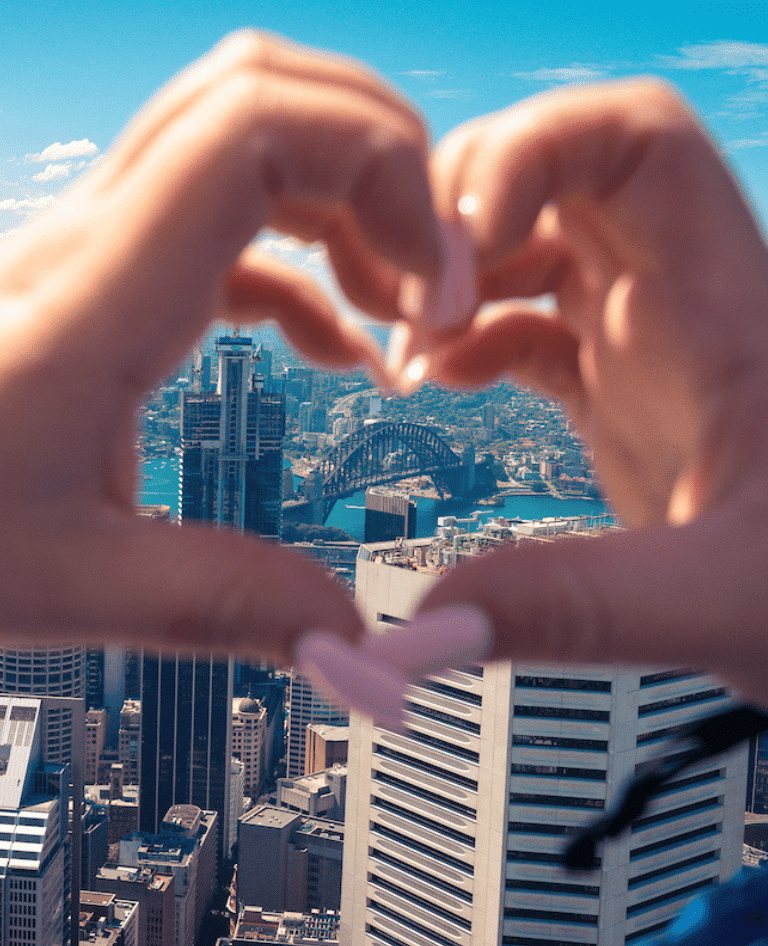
point(37, 863)
point(454, 831)
point(307, 705)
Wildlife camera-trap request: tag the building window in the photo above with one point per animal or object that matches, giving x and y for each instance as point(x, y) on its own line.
point(562, 712)
point(564, 683)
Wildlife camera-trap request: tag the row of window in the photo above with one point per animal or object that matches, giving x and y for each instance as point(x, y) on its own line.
point(562, 712)
point(387, 832)
point(678, 867)
point(685, 699)
point(653, 902)
point(672, 813)
point(428, 740)
point(422, 902)
point(550, 916)
point(429, 712)
point(431, 935)
point(549, 886)
point(439, 800)
point(679, 839)
point(455, 693)
point(442, 773)
point(429, 823)
point(422, 875)
point(555, 801)
point(560, 742)
point(558, 771)
point(564, 683)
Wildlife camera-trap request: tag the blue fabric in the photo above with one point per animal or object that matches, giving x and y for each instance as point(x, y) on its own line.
point(731, 914)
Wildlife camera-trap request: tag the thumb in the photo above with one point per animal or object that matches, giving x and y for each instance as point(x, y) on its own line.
point(689, 596)
point(119, 578)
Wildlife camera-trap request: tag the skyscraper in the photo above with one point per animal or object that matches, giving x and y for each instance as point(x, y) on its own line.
point(232, 445)
point(186, 737)
point(454, 830)
point(231, 475)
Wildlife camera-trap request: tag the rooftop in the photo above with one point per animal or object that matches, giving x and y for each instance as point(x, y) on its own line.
point(455, 539)
point(269, 817)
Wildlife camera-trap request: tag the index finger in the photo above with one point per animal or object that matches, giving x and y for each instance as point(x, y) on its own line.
point(626, 161)
point(269, 134)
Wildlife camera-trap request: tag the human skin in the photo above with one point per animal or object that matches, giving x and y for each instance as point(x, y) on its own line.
point(613, 199)
point(105, 292)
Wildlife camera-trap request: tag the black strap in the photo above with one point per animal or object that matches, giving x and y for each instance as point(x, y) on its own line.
point(695, 742)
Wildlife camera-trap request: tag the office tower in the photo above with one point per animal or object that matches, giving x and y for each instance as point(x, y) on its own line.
point(153, 890)
point(128, 740)
point(307, 706)
point(231, 475)
point(455, 828)
point(94, 677)
point(186, 737)
point(389, 514)
point(95, 737)
point(39, 870)
point(304, 857)
point(95, 849)
point(232, 446)
point(44, 671)
point(185, 846)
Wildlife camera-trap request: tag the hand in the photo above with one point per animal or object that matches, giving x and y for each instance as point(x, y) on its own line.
point(614, 200)
point(107, 291)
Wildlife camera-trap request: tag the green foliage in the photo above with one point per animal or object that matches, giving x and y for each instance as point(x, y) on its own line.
point(302, 532)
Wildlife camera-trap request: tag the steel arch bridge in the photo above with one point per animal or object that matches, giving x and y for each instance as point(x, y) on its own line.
point(383, 453)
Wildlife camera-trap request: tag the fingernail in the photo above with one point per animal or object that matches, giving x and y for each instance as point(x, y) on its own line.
point(353, 678)
point(452, 302)
point(452, 636)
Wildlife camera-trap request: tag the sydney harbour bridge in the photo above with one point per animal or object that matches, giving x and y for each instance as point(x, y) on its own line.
point(383, 453)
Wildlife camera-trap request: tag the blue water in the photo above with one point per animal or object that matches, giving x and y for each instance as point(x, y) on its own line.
point(161, 486)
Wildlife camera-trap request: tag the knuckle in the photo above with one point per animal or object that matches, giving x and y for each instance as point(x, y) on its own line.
point(661, 99)
point(247, 47)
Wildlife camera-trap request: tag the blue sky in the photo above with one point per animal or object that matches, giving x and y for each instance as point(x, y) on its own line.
point(73, 74)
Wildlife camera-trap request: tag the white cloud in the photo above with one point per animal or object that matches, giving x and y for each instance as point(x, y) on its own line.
point(720, 54)
point(53, 172)
point(428, 74)
point(462, 94)
point(59, 152)
point(26, 204)
point(576, 72)
point(760, 141)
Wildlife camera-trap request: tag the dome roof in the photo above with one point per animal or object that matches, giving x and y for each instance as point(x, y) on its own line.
point(249, 705)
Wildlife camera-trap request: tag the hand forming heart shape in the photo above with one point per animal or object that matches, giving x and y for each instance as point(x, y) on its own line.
point(612, 199)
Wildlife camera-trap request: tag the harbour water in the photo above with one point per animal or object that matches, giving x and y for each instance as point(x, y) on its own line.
point(160, 485)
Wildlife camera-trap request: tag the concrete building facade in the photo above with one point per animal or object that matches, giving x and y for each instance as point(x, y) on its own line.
point(455, 828)
point(249, 741)
point(320, 795)
point(289, 862)
point(96, 724)
point(326, 747)
point(153, 890)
